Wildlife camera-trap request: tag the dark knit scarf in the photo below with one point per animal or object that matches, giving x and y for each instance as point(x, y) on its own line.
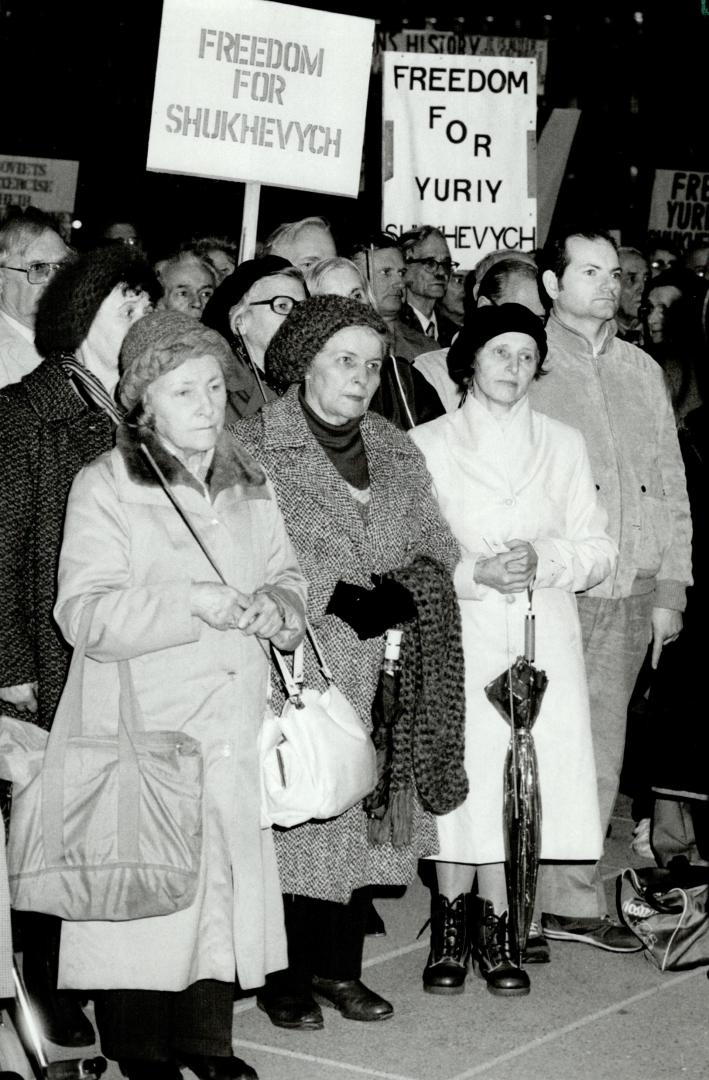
point(342, 443)
point(420, 743)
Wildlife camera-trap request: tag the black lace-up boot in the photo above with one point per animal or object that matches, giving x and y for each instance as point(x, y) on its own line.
point(491, 951)
point(447, 961)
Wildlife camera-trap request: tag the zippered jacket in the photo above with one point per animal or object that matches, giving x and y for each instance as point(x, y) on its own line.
point(618, 400)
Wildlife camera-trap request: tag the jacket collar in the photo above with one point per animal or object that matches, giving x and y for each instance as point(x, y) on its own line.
point(571, 340)
point(231, 466)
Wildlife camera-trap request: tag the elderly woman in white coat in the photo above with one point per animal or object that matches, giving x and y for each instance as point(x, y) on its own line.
point(199, 662)
point(516, 489)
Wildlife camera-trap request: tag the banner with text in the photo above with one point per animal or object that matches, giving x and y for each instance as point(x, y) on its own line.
point(47, 183)
point(679, 209)
point(459, 150)
point(457, 42)
point(261, 92)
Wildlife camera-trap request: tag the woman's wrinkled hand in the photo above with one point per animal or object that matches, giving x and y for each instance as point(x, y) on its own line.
point(262, 616)
point(219, 606)
point(509, 571)
point(23, 696)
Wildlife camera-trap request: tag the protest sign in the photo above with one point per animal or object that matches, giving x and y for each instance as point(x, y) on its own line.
point(457, 42)
point(679, 209)
point(47, 183)
point(459, 150)
point(261, 92)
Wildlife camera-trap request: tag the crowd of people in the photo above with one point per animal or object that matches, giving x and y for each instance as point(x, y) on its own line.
point(363, 440)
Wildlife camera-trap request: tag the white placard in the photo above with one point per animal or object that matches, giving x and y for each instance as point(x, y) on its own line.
point(261, 92)
point(47, 183)
point(679, 210)
point(459, 150)
point(451, 42)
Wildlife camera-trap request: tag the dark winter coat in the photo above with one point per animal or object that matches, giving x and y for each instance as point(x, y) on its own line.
point(334, 540)
point(48, 434)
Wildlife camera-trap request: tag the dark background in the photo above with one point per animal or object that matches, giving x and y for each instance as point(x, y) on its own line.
point(76, 82)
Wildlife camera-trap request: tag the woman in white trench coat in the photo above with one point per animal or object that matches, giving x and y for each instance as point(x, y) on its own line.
point(165, 985)
point(516, 489)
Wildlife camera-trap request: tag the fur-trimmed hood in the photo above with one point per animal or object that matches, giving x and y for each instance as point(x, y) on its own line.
point(232, 464)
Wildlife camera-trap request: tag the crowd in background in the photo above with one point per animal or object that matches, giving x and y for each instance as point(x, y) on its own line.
point(373, 438)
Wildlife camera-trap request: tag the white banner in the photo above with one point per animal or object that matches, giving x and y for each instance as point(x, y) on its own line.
point(459, 150)
point(262, 92)
point(679, 210)
point(457, 42)
point(47, 183)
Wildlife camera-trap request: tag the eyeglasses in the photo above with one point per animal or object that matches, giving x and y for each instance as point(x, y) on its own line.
point(431, 265)
point(37, 272)
point(279, 305)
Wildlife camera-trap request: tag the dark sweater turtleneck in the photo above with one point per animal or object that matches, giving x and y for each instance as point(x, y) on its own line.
point(342, 443)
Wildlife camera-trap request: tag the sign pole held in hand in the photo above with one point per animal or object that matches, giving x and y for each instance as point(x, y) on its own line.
point(249, 221)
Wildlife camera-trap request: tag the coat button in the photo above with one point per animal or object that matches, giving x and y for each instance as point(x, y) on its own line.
point(509, 502)
point(510, 598)
point(226, 750)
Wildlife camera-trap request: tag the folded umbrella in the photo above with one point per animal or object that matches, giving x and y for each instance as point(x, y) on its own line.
point(517, 696)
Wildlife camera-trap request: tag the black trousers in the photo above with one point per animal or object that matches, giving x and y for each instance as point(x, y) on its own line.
point(160, 1025)
point(324, 938)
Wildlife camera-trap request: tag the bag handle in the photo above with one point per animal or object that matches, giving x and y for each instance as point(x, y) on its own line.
point(68, 723)
point(294, 682)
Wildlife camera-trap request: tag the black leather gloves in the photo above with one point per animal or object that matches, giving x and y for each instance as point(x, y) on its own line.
point(370, 612)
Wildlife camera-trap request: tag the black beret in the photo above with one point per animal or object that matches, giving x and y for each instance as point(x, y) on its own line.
point(234, 287)
point(489, 322)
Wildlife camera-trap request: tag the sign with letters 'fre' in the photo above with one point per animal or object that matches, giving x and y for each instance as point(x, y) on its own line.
point(679, 210)
point(261, 92)
point(459, 150)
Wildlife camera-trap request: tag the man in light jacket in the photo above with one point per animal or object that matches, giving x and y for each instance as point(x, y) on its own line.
point(615, 393)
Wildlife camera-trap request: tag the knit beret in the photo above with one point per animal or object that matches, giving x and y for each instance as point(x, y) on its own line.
point(159, 342)
point(234, 287)
point(489, 322)
point(309, 327)
point(71, 300)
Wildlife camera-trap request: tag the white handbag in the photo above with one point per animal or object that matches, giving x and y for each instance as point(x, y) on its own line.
point(318, 758)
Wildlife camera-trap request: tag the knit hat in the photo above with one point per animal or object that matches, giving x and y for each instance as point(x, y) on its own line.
point(307, 329)
point(71, 300)
point(487, 323)
point(160, 342)
point(234, 287)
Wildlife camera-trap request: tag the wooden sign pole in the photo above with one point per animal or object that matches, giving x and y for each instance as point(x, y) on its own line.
point(249, 221)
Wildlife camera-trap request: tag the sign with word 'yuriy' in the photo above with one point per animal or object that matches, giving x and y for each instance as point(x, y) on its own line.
point(679, 209)
point(459, 42)
point(459, 150)
point(47, 183)
point(261, 92)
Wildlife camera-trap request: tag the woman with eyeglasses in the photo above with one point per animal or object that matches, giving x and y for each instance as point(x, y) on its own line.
point(358, 507)
point(247, 309)
point(56, 420)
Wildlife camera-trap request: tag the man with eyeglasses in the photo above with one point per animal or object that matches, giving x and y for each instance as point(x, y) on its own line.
point(696, 259)
point(31, 250)
point(428, 270)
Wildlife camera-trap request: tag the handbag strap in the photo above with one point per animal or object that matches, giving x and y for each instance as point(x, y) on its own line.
point(68, 723)
point(294, 682)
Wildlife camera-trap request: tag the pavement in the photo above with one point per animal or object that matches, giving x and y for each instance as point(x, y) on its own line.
point(591, 1015)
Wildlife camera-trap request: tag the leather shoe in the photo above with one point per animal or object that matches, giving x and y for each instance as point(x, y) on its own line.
point(295, 1009)
point(352, 999)
point(219, 1068)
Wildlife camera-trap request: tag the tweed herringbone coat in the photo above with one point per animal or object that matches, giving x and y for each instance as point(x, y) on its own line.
point(334, 539)
point(48, 434)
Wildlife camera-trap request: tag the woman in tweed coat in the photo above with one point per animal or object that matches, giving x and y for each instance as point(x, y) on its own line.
point(357, 501)
point(57, 419)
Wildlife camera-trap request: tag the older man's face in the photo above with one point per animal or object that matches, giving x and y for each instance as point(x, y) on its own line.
point(18, 298)
point(429, 268)
point(187, 286)
point(634, 274)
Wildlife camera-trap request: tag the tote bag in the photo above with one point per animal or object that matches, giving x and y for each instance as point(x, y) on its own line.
point(102, 826)
point(669, 913)
point(317, 757)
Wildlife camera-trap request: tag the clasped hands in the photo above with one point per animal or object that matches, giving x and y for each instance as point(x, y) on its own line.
point(225, 608)
point(509, 571)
